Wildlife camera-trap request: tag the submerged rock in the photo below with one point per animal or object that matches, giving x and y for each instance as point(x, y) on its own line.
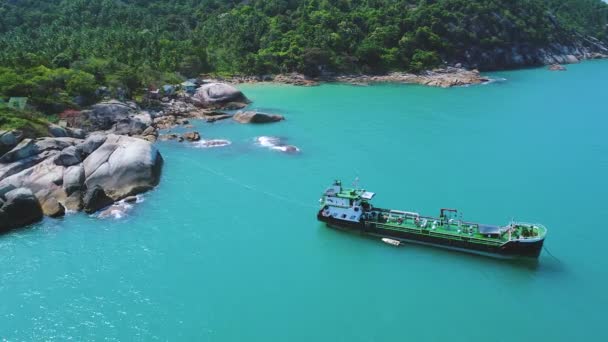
point(214, 118)
point(277, 144)
point(256, 117)
point(212, 143)
point(557, 67)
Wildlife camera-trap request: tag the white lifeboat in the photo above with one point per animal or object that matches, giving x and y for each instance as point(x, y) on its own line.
point(391, 242)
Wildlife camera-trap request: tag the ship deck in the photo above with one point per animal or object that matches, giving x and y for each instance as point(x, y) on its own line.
point(455, 230)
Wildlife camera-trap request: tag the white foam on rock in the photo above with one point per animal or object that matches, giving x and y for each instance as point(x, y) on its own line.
point(277, 144)
point(212, 143)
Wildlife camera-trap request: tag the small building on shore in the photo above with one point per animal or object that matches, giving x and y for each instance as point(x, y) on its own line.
point(19, 103)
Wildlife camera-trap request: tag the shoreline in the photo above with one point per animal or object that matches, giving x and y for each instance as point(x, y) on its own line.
point(444, 78)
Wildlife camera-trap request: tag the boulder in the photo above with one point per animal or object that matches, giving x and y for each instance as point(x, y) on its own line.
point(8, 140)
point(217, 95)
point(256, 117)
point(20, 208)
point(166, 137)
point(74, 202)
point(165, 122)
point(96, 199)
point(77, 133)
point(104, 115)
point(143, 117)
point(69, 156)
point(123, 166)
point(52, 208)
point(192, 136)
point(129, 126)
point(130, 199)
point(58, 131)
point(571, 59)
point(73, 179)
point(150, 130)
point(29, 147)
point(91, 143)
point(10, 169)
point(149, 138)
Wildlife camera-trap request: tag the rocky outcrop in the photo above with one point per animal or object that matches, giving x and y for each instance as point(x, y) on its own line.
point(256, 117)
point(19, 207)
point(30, 147)
point(444, 78)
point(557, 67)
point(217, 95)
point(570, 49)
point(296, 79)
point(123, 166)
point(64, 132)
point(117, 118)
point(191, 136)
point(61, 172)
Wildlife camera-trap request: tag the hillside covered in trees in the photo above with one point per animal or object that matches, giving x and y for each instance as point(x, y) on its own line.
point(55, 50)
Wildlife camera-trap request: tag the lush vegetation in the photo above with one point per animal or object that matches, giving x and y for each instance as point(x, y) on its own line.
point(56, 51)
point(30, 123)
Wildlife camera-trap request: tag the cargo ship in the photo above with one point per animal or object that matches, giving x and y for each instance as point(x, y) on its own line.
point(351, 209)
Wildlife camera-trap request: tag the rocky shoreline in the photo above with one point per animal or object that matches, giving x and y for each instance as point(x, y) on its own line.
point(449, 76)
point(104, 159)
point(444, 78)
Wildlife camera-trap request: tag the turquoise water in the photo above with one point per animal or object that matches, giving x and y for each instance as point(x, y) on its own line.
point(227, 247)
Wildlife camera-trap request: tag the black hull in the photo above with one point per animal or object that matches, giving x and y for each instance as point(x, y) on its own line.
point(511, 249)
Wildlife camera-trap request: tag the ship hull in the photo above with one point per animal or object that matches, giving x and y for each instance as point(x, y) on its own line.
point(508, 250)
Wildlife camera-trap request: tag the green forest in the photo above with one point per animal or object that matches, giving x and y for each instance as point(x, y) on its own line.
point(53, 51)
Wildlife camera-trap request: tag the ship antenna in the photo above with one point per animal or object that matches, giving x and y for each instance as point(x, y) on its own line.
point(356, 182)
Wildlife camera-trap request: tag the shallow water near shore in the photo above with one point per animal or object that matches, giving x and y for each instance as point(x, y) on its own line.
point(227, 248)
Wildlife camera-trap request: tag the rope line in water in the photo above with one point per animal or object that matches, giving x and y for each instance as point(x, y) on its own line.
point(551, 254)
point(254, 189)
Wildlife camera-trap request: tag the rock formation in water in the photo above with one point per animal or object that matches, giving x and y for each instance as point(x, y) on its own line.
point(219, 95)
point(276, 144)
point(109, 156)
point(256, 117)
point(70, 173)
point(18, 207)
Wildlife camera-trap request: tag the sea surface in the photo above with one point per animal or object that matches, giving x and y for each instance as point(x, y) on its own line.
point(227, 248)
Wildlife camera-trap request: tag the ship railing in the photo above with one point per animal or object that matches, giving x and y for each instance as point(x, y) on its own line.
point(528, 224)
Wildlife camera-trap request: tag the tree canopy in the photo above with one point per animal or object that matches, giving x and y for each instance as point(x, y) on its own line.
point(58, 49)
